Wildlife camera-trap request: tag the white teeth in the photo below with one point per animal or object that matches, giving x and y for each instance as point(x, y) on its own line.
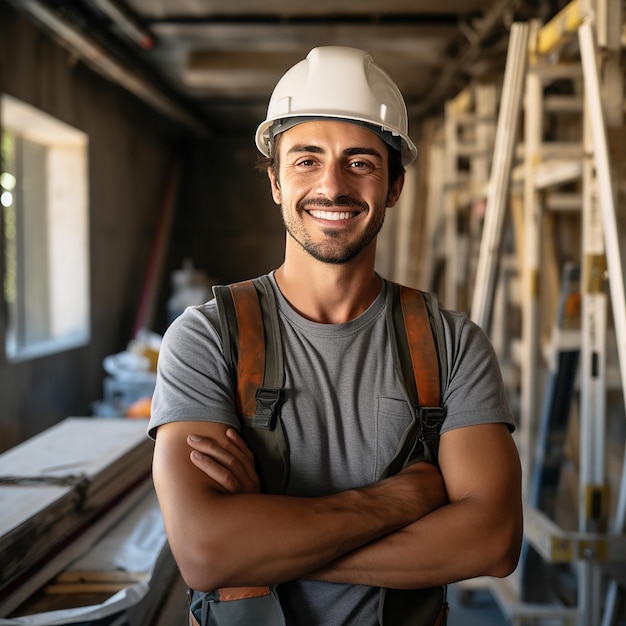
point(332, 215)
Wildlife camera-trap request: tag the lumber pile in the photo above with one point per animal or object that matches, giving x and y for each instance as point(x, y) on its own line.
point(58, 484)
point(125, 575)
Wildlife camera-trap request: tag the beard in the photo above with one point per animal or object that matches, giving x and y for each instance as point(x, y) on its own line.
point(334, 248)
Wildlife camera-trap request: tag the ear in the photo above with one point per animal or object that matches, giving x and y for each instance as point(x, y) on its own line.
point(275, 186)
point(394, 192)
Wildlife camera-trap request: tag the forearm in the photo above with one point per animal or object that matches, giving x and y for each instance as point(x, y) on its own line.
point(478, 533)
point(455, 542)
point(253, 539)
point(246, 539)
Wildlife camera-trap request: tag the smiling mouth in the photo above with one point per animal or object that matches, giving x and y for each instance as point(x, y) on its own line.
point(333, 215)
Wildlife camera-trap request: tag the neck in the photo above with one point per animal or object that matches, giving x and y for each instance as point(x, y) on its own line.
point(328, 293)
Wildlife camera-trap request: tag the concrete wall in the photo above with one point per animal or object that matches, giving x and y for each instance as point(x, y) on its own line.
point(228, 227)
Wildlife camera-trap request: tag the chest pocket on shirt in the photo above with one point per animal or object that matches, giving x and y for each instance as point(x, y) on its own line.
point(393, 419)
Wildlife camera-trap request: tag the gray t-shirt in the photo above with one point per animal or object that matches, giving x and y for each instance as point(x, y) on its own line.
point(343, 411)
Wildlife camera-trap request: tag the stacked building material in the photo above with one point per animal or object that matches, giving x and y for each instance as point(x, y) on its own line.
point(58, 484)
point(125, 576)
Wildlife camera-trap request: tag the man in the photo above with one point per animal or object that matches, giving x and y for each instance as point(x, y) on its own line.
point(336, 141)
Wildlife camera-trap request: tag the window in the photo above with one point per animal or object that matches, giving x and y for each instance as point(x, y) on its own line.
point(43, 197)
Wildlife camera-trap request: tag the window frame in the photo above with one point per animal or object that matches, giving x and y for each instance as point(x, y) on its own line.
point(49, 211)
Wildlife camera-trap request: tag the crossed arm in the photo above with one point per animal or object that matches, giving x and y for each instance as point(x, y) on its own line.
point(416, 529)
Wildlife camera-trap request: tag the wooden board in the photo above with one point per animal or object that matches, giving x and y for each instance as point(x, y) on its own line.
point(125, 567)
point(99, 459)
point(74, 551)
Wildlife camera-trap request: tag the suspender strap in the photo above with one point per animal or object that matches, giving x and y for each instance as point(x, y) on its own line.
point(251, 359)
point(413, 319)
point(260, 371)
point(421, 347)
point(426, 363)
point(274, 377)
point(251, 339)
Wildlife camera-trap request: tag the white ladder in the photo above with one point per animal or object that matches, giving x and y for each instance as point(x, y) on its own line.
point(590, 545)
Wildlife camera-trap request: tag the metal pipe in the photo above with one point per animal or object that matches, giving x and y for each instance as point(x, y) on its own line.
point(127, 24)
point(99, 59)
point(454, 68)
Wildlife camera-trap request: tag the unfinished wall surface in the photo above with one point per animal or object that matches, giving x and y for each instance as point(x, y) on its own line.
point(224, 220)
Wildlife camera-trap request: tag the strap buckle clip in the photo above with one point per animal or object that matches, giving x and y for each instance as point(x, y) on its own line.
point(430, 420)
point(266, 408)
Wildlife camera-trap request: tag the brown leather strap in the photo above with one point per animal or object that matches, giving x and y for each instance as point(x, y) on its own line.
point(251, 360)
point(226, 594)
point(442, 618)
point(421, 346)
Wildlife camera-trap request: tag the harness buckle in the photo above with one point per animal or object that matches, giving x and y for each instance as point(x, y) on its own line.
point(430, 420)
point(266, 404)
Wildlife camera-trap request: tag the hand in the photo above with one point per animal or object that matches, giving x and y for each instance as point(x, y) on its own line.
point(229, 463)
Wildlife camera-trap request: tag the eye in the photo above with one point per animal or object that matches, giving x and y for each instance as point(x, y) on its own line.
point(360, 165)
point(305, 163)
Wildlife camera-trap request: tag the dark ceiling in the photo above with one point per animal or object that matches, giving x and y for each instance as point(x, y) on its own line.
point(212, 64)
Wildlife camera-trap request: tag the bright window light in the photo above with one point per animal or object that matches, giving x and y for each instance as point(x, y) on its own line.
point(44, 202)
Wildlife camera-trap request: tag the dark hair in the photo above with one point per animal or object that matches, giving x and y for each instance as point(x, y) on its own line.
point(396, 169)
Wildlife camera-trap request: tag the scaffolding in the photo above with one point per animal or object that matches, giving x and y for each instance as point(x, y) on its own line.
point(550, 171)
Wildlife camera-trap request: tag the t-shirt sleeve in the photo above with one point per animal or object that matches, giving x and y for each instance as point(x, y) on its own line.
point(194, 382)
point(475, 392)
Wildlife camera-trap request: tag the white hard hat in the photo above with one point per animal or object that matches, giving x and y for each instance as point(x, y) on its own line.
point(340, 83)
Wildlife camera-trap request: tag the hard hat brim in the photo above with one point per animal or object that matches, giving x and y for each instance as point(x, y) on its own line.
point(263, 139)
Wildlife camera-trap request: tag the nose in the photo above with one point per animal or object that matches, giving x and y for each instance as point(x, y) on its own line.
point(333, 181)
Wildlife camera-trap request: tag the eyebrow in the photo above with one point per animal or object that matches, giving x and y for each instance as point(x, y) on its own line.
point(298, 148)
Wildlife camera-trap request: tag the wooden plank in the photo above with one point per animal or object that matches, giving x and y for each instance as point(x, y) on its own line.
point(16, 595)
point(127, 542)
point(91, 576)
point(76, 588)
point(53, 484)
point(77, 444)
